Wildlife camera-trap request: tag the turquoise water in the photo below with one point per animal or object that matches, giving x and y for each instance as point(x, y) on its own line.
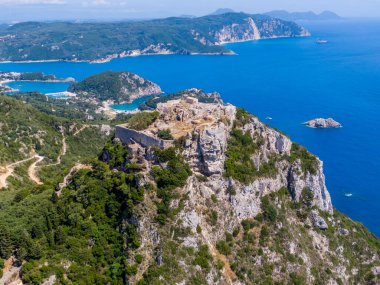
point(44, 87)
point(130, 107)
point(292, 81)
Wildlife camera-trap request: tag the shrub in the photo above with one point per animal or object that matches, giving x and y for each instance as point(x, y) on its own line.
point(139, 258)
point(236, 232)
point(203, 257)
point(307, 197)
point(264, 234)
point(247, 224)
point(142, 120)
point(213, 217)
point(239, 164)
point(174, 175)
point(309, 162)
point(269, 210)
point(214, 198)
point(242, 117)
point(296, 279)
point(223, 247)
point(165, 134)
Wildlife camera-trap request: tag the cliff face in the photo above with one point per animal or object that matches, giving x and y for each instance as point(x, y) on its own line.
point(267, 217)
point(252, 28)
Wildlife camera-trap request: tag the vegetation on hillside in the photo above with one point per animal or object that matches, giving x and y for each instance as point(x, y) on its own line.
point(262, 239)
point(25, 130)
point(75, 41)
point(141, 121)
point(115, 86)
point(69, 108)
point(202, 97)
point(94, 228)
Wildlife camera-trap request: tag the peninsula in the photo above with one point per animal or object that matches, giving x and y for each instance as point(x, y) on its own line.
point(34, 41)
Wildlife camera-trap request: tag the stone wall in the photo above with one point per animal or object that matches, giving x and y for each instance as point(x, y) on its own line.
point(128, 135)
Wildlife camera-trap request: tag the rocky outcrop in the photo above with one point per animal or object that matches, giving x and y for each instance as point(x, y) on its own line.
point(205, 130)
point(229, 217)
point(255, 28)
point(315, 182)
point(235, 33)
point(321, 123)
point(318, 221)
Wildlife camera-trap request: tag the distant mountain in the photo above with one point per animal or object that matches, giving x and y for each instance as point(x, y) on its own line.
point(187, 16)
point(100, 42)
point(298, 16)
point(222, 11)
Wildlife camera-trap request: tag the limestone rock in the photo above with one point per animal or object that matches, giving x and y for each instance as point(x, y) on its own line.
point(297, 181)
point(321, 123)
point(344, 232)
point(318, 221)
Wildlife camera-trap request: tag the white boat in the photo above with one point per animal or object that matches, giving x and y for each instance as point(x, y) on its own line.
point(348, 194)
point(319, 41)
point(268, 118)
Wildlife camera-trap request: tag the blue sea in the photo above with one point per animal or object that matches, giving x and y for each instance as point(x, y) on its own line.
point(292, 81)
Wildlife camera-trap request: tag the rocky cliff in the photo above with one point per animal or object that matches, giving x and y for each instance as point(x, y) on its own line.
point(255, 28)
point(236, 202)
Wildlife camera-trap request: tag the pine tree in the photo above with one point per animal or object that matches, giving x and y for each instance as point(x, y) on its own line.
point(5, 242)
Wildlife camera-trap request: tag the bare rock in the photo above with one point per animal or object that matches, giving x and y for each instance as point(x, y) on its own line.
point(318, 221)
point(297, 181)
point(321, 123)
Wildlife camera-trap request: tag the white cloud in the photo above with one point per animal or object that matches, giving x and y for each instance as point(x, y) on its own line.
point(31, 2)
point(96, 3)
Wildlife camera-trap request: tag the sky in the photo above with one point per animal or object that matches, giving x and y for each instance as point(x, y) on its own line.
point(24, 10)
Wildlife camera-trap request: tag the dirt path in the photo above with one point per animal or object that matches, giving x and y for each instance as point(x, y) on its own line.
point(10, 168)
point(11, 276)
point(62, 152)
point(73, 170)
point(32, 170)
point(81, 129)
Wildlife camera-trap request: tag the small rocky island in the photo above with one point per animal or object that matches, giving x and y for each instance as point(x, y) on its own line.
point(321, 123)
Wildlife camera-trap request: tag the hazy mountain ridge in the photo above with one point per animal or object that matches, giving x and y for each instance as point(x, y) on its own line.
point(303, 16)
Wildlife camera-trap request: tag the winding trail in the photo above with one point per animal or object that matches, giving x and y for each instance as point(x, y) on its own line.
point(73, 170)
point(81, 129)
point(62, 152)
point(32, 170)
point(10, 168)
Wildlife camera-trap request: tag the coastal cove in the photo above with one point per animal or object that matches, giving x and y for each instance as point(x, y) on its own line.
point(290, 80)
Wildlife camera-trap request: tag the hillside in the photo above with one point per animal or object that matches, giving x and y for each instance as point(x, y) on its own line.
point(104, 41)
point(192, 193)
point(40, 142)
point(116, 86)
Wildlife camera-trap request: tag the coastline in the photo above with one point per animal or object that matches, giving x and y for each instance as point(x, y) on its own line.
point(120, 56)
